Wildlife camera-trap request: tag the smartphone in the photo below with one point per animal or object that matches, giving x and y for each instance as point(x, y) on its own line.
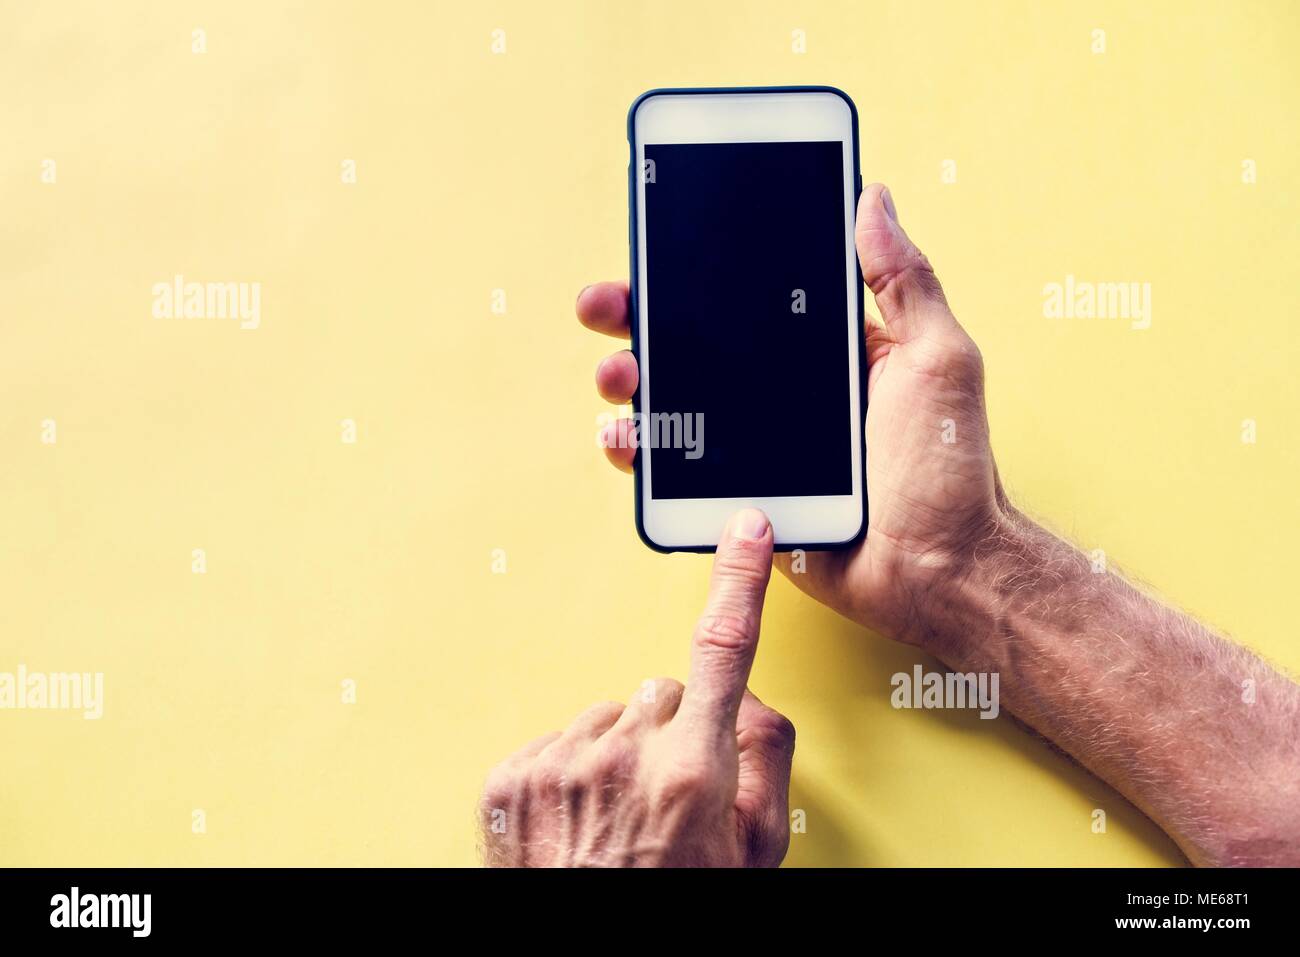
point(746, 315)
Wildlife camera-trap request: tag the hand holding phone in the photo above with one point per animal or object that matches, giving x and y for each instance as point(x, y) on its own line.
point(935, 500)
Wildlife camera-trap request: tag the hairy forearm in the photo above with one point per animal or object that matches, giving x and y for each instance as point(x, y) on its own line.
point(1198, 732)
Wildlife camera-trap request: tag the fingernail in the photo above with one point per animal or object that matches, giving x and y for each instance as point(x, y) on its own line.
point(888, 200)
point(581, 291)
point(751, 524)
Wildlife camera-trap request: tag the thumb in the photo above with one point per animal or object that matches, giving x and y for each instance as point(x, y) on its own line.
point(722, 649)
point(765, 739)
point(908, 293)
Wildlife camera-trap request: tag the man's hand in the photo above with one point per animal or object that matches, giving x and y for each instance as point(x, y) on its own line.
point(682, 776)
point(1199, 733)
point(933, 492)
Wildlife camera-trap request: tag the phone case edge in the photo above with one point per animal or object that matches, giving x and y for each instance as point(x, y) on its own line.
point(634, 311)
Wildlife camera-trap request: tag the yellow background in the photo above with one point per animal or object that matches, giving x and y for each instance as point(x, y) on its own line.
point(476, 172)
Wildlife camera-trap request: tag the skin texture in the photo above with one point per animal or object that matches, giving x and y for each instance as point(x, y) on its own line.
point(1199, 733)
point(694, 775)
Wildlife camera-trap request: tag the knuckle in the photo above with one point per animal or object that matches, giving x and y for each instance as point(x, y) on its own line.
point(963, 352)
point(781, 729)
point(894, 269)
point(656, 700)
point(607, 763)
point(595, 718)
point(580, 779)
point(725, 632)
point(684, 784)
point(743, 562)
point(669, 688)
point(925, 276)
point(501, 788)
point(548, 776)
point(953, 358)
point(606, 710)
point(772, 731)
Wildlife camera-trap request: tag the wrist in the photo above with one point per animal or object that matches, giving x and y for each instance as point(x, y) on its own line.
point(963, 602)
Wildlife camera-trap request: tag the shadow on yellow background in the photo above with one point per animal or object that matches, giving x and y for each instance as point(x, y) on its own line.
point(429, 304)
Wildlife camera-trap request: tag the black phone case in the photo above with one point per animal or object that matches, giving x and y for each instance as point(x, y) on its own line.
point(634, 311)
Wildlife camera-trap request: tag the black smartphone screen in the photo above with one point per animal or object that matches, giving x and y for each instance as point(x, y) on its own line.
point(747, 310)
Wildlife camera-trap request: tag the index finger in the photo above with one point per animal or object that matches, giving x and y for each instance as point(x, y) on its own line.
point(602, 306)
point(722, 650)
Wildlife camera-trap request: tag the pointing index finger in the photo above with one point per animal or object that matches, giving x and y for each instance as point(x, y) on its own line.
point(722, 649)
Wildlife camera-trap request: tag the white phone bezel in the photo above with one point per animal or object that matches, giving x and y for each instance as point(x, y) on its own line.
point(751, 117)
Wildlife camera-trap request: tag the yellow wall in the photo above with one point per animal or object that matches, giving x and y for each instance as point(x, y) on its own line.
point(475, 171)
